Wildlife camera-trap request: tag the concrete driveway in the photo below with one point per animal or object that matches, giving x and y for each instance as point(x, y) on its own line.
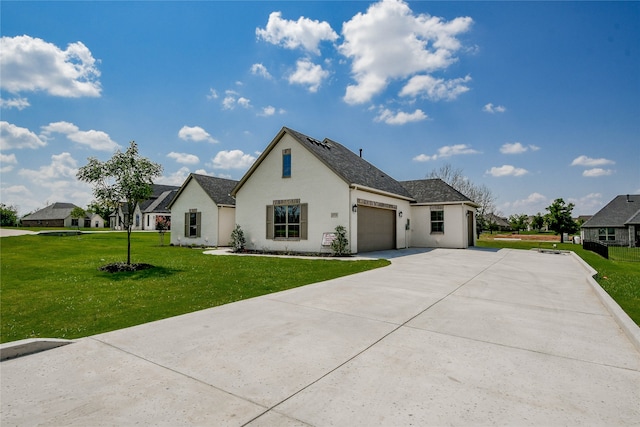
point(441, 337)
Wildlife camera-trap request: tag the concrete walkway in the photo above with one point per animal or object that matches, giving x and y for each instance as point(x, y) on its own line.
point(443, 337)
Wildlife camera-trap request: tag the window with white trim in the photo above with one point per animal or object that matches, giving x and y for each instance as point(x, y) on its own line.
point(607, 234)
point(437, 219)
point(192, 223)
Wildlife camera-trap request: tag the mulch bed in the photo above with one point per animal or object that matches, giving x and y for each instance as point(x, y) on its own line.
point(123, 266)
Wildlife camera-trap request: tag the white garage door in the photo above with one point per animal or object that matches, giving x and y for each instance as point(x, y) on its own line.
point(376, 229)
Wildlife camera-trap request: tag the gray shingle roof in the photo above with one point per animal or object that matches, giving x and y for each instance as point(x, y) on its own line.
point(157, 192)
point(216, 188)
point(51, 212)
point(349, 166)
point(433, 190)
point(617, 213)
point(161, 203)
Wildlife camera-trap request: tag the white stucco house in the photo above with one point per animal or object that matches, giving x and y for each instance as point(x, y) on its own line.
point(301, 188)
point(203, 212)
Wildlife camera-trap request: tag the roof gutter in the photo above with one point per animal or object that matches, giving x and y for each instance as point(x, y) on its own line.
point(381, 192)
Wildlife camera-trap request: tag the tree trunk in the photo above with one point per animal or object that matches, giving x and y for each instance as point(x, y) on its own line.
point(129, 244)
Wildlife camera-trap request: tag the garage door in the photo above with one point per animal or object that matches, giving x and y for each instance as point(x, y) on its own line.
point(376, 229)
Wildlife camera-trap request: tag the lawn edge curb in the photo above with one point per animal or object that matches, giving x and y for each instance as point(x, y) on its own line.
point(15, 349)
point(628, 326)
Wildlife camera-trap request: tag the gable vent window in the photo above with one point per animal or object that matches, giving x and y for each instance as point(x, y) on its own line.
point(286, 163)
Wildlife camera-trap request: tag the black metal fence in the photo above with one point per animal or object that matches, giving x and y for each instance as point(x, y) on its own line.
point(613, 251)
point(597, 247)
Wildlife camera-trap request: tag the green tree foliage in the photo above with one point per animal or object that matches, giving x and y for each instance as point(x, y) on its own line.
point(100, 209)
point(78, 214)
point(125, 179)
point(537, 222)
point(519, 222)
point(8, 215)
point(559, 218)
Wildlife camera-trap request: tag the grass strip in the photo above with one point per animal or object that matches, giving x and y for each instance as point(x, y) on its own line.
point(51, 286)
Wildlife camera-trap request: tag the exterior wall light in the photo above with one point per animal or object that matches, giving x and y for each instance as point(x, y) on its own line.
point(354, 208)
point(400, 214)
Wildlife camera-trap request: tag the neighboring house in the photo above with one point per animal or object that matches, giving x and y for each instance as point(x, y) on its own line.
point(55, 215)
point(618, 223)
point(158, 207)
point(93, 220)
point(203, 212)
point(494, 222)
point(145, 213)
point(59, 215)
point(300, 189)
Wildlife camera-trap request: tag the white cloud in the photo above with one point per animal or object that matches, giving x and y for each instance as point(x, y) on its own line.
point(308, 74)
point(18, 103)
point(212, 94)
point(447, 151)
point(303, 33)
point(232, 98)
point(233, 159)
point(12, 136)
point(390, 42)
point(244, 102)
point(7, 161)
point(517, 148)
point(260, 70)
point(32, 64)
point(513, 148)
point(589, 162)
point(270, 111)
point(596, 172)
point(400, 117)
point(184, 158)
point(176, 178)
point(56, 182)
point(94, 139)
point(490, 108)
point(196, 134)
point(435, 89)
point(589, 204)
point(535, 202)
point(506, 170)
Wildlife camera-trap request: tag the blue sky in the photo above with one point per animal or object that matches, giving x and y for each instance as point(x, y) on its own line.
point(535, 100)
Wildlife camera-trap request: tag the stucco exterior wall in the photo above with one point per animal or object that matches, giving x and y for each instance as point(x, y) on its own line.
point(226, 224)
point(326, 195)
point(455, 227)
point(194, 197)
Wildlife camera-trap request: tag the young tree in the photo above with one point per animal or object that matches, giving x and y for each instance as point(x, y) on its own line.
point(8, 215)
point(125, 178)
point(78, 213)
point(559, 218)
point(537, 222)
point(519, 222)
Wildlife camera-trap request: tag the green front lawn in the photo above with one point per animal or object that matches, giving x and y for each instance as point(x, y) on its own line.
point(51, 286)
point(621, 279)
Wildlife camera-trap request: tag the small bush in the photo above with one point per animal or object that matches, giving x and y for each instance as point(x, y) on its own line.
point(340, 245)
point(238, 241)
